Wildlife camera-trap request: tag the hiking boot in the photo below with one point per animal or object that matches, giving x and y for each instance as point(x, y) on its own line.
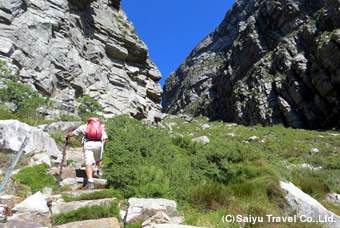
point(88, 186)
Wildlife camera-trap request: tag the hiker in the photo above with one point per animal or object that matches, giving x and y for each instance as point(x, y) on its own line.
point(94, 141)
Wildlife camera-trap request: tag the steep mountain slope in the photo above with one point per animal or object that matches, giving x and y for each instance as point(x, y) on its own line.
point(269, 62)
point(69, 48)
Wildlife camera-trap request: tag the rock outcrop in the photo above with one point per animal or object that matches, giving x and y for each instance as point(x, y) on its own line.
point(13, 133)
point(307, 207)
point(65, 49)
point(268, 62)
point(142, 209)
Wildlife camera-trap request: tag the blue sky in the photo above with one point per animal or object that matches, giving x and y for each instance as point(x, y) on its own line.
point(172, 28)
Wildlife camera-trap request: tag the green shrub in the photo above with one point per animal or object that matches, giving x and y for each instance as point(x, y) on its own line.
point(85, 116)
point(88, 104)
point(28, 104)
point(157, 166)
point(109, 193)
point(36, 177)
point(316, 183)
point(23, 97)
point(68, 118)
point(6, 73)
point(87, 213)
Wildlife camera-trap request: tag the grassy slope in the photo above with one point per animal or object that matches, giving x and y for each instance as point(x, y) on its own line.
point(226, 176)
point(277, 148)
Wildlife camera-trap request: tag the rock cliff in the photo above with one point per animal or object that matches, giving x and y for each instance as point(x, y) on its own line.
point(268, 62)
point(65, 49)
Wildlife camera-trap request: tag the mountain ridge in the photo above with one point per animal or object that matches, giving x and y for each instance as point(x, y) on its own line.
point(267, 63)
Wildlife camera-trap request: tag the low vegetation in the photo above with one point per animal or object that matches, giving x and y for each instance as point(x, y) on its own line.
point(108, 193)
point(36, 178)
point(87, 213)
point(231, 174)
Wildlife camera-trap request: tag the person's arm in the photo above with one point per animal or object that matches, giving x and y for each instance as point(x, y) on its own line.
point(69, 135)
point(76, 132)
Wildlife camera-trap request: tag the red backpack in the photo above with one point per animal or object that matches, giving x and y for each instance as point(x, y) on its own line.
point(94, 130)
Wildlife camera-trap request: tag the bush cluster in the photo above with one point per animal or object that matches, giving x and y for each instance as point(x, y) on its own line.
point(88, 213)
point(36, 178)
point(144, 161)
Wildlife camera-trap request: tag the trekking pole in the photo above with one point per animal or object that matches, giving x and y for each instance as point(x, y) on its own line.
point(62, 164)
point(9, 172)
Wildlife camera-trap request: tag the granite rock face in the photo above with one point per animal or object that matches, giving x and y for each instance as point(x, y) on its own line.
point(13, 133)
point(65, 49)
point(268, 62)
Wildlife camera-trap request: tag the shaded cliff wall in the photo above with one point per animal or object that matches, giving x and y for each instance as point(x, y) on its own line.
point(269, 62)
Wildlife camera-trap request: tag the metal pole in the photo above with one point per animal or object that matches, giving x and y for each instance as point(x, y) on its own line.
point(4, 181)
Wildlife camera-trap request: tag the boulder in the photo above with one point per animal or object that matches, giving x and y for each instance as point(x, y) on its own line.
point(304, 205)
point(333, 197)
point(63, 207)
point(98, 223)
point(66, 172)
point(142, 209)
point(59, 126)
point(203, 139)
point(13, 132)
point(41, 158)
point(159, 218)
point(34, 209)
point(47, 192)
point(30, 219)
point(205, 126)
point(3, 212)
point(34, 203)
point(314, 151)
point(253, 138)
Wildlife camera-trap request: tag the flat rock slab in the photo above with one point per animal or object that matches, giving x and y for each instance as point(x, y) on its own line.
point(75, 183)
point(146, 208)
point(62, 207)
point(66, 172)
point(98, 223)
point(81, 192)
point(304, 205)
point(21, 224)
point(30, 218)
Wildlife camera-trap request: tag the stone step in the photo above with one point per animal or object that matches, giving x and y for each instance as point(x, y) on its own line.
point(68, 172)
point(78, 182)
point(74, 193)
point(98, 223)
point(59, 207)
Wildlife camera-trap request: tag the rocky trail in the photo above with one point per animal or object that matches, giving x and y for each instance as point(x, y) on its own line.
point(37, 210)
